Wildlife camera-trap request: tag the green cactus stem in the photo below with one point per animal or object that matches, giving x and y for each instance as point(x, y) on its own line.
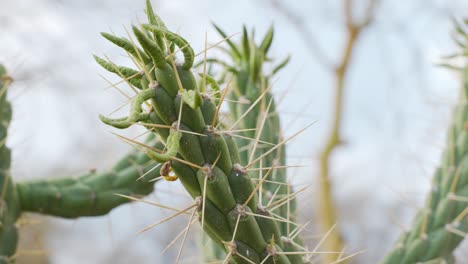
point(9, 202)
point(262, 121)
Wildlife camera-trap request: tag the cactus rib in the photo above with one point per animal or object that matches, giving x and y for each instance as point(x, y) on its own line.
point(94, 193)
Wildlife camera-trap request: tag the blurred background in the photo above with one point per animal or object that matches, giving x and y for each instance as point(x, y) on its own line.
point(396, 108)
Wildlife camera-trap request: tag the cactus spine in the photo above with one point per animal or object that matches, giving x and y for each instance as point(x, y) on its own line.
point(93, 193)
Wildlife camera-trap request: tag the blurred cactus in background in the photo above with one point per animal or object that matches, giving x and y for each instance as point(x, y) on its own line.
point(9, 202)
point(441, 225)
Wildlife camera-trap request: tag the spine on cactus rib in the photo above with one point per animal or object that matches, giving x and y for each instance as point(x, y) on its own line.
point(195, 149)
point(442, 224)
point(94, 193)
point(9, 203)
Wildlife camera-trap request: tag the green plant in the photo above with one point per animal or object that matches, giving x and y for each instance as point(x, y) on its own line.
point(254, 117)
point(442, 224)
point(260, 123)
point(204, 156)
point(9, 203)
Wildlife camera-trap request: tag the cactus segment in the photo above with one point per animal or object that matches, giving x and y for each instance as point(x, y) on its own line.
point(151, 48)
point(128, 46)
point(242, 186)
point(247, 228)
point(291, 246)
point(166, 76)
point(193, 118)
point(215, 149)
point(250, 83)
point(187, 79)
point(217, 187)
point(136, 114)
point(191, 149)
point(158, 126)
point(216, 222)
point(233, 149)
point(164, 106)
point(94, 193)
point(154, 19)
point(272, 256)
point(266, 223)
point(208, 109)
point(242, 253)
point(180, 42)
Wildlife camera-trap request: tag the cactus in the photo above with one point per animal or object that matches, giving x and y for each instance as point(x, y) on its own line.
point(261, 123)
point(9, 203)
point(204, 158)
point(91, 194)
point(442, 224)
